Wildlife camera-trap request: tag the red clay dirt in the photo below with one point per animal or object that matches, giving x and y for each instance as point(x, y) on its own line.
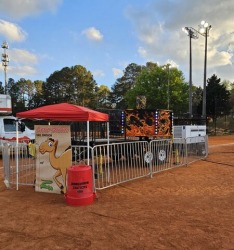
point(184, 208)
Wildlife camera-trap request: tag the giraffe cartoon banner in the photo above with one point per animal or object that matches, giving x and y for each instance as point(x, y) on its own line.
point(54, 156)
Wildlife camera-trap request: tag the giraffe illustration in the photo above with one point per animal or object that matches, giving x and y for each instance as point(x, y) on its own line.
point(60, 163)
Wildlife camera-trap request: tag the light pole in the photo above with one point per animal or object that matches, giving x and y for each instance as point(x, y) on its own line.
point(168, 85)
point(204, 29)
point(192, 34)
point(5, 62)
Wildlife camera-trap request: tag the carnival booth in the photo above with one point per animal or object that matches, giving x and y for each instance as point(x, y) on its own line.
point(54, 154)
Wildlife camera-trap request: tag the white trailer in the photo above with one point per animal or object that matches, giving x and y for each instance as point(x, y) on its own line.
point(8, 123)
point(5, 105)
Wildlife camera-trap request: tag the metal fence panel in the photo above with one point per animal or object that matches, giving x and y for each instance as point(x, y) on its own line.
point(179, 152)
point(116, 163)
point(197, 148)
point(5, 149)
point(161, 151)
point(113, 163)
point(25, 174)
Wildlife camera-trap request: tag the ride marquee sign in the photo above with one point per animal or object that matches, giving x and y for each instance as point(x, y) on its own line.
point(144, 122)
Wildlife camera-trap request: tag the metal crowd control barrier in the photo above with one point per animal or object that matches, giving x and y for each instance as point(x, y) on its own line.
point(113, 163)
point(161, 155)
point(25, 174)
point(197, 148)
point(118, 163)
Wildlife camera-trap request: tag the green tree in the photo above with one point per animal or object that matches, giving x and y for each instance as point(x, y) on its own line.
point(83, 87)
point(19, 92)
point(161, 86)
point(197, 100)
point(25, 94)
point(103, 94)
point(1, 88)
point(232, 96)
point(54, 89)
point(26, 91)
point(73, 85)
point(14, 93)
point(37, 98)
point(123, 84)
point(217, 98)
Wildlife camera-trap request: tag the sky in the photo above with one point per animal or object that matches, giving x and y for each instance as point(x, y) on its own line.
point(105, 36)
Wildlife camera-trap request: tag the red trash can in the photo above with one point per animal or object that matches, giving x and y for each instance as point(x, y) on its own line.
point(79, 186)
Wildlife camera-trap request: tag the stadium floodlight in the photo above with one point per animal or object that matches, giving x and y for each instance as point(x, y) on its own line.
point(204, 29)
point(192, 33)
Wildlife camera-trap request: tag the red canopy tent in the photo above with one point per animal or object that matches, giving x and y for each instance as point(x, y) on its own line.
point(63, 112)
point(66, 112)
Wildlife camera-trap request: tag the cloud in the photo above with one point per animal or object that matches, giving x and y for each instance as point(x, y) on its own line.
point(19, 9)
point(93, 34)
point(158, 30)
point(142, 52)
point(12, 32)
point(117, 72)
point(22, 71)
point(20, 56)
point(98, 73)
point(22, 63)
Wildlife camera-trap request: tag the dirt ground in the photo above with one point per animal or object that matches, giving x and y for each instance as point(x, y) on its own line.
point(184, 208)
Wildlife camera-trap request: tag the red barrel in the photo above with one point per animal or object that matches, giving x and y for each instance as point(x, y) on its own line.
point(79, 186)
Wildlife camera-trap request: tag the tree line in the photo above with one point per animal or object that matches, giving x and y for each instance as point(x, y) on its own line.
point(163, 87)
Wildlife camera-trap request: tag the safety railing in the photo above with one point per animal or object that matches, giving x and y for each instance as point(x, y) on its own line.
point(196, 148)
point(112, 163)
point(118, 163)
point(21, 173)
